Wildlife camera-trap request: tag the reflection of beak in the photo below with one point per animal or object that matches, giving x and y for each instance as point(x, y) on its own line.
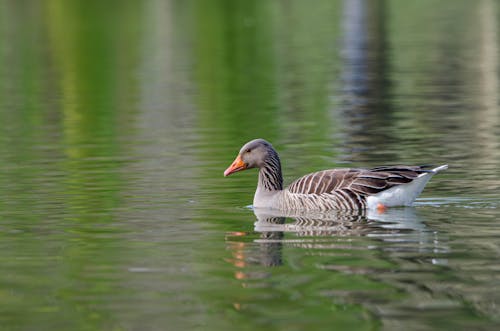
point(237, 165)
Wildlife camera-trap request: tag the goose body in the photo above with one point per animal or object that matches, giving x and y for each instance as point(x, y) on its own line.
point(333, 189)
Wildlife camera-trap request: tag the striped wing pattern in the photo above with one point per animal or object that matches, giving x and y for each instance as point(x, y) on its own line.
point(348, 188)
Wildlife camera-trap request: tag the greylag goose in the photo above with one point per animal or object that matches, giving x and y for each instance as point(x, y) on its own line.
point(333, 189)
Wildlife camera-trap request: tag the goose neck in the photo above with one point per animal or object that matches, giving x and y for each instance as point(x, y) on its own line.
point(270, 177)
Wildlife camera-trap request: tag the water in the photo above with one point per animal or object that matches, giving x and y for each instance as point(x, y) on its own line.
point(117, 121)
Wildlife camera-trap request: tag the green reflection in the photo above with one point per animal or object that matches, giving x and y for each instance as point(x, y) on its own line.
point(235, 67)
point(63, 124)
point(92, 48)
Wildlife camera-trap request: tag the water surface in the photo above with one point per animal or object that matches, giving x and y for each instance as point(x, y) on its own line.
point(118, 120)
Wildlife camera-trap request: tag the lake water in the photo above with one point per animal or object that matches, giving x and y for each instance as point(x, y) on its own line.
point(117, 120)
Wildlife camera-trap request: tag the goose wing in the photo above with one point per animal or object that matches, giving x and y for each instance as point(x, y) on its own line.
point(360, 182)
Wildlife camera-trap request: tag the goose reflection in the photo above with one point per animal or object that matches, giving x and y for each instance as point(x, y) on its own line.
point(339, 223)
point(272, 228)
point(400, 228)
point(269, 223)
point(397, 230)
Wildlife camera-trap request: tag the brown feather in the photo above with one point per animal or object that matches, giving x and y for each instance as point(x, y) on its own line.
point(355, 181)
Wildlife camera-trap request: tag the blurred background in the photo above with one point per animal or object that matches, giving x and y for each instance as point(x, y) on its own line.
point(118, 118)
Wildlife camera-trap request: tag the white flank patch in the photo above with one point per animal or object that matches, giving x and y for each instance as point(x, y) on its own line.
point(404, 194)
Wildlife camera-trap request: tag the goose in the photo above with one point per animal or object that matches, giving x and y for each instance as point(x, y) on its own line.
point(333, 189)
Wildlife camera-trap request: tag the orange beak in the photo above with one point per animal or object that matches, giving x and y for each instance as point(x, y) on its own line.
point(237, 165)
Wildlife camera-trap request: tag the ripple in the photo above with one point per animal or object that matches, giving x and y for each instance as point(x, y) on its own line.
point(459, 202)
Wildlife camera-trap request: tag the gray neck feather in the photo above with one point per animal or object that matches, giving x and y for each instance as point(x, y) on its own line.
point(270, 177)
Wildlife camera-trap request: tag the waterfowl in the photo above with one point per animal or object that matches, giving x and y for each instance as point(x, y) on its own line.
point(333, 189)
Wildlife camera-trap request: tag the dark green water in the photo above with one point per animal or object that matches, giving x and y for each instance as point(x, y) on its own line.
point(118, 118)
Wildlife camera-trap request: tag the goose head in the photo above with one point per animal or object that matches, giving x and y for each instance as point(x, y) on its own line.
point(253, 154)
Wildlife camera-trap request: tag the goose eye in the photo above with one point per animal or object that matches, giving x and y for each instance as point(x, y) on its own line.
point(248, 150)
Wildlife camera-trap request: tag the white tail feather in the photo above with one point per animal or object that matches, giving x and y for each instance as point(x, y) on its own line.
point(438, 169)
